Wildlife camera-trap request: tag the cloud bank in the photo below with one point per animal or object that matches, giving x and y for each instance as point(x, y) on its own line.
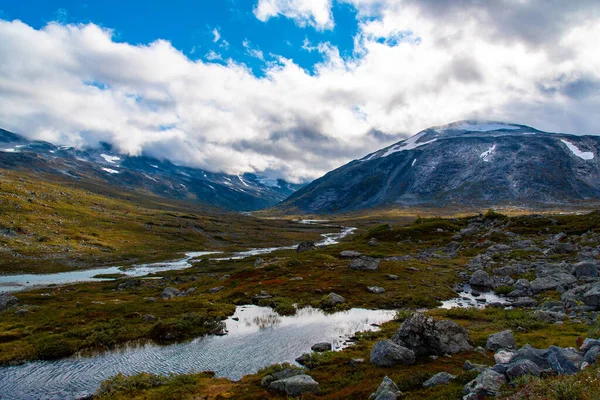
point(416, 63)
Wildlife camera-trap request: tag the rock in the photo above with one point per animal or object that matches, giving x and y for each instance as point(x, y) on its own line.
point(488, 383)
point(296, 385)
point(285, 373)
point(332, 299)
point(261, 296)
point(170, 292)
point(585, 269)
point(564, 361)
point(588, 343)
point(149, 318)
point(259, 261)
point(592, 296)
point(376, 289)
point(522, 284)
point(522, 367)
point(386, 390)
point(350, 254)
point(7, 301)
point(150, 299)
point(501, 340)
point(373, 242)
point(364, 264)
point(504, 357)
point(571, 298)
point(550, 316)
point(321, 347)
point(355, 361)
point(591, 356)
point(552, 282)
point(305, 246)
point(524, 302)
point(303, 359)
point(438, 379)
point(216, 289)
point(189, 291)
point(426, 336)
point(129, 283)
point(564, 248)
point(481, 279)
point(469, 366)
point(386, 353)
point(392, 277)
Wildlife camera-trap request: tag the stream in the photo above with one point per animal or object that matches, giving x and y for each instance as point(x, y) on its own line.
point(257, 337)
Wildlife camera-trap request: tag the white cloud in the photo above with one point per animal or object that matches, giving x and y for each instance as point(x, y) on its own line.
point(75, 85)
point(216, 35)
point(316, 13)
point(251, 51)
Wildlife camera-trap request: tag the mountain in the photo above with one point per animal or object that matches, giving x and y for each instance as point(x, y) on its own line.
point(245, 192)
point(466, 163)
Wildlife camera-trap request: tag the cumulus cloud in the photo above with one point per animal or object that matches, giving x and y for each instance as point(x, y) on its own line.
point(316, 13)
point(416, 63)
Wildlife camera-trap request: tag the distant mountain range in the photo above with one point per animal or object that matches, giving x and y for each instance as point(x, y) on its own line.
point(467, 164)
point(245, 192)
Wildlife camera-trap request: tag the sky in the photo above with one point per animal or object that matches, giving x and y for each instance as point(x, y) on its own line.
point(291, 88)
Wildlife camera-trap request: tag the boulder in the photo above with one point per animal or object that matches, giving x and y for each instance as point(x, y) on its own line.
point(550, 316)
point(571, 298)
point(522, 284)
point(259, 261)
point(438, 379)
point(285, 373)
point(588, 343)
point(591, 356)
point(305, 246)
point(149, 318)
point(537, 356)
point(321, 347)
point(387, 390)
point(501, 340)
point(350, 254)
point(170, 292)
point(585, 269)
point(481, 278)
point(488, 383)
point(296, 385)
point(373, 242)
point(376, 289)
point(331, 300)
point(216, 289)
point(7, 300)
point(552, 282)
point(524, 302)
point(364, 264)
point(522, 367)
point(564, 248)
point(386, 353)
point(564, 361)
point(504, 357)
point(303, 359)
point(592, 296)
point(261, 296)
point(392, 277)
point(426, 336)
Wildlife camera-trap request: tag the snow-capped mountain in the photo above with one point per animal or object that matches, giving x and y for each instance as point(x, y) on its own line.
point(466, 163)
point(234, 192)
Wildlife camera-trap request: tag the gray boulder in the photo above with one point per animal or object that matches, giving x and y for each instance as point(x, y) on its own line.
point(331, 300)
point(591, 356)
point(564, 361)
point(7, 301)
point(364, 264)
point(522, 367)
point(524, 302)
point(488, 383)
point(592, 296)
point(285, 373)
point(296, 385)
point(438, 379)
point(501, 340)
point(376, 289)
point(216, 289)
point(170, 292)
point(305, 246)
point(585, 269)
point(522, 284)
point(262, 295)
point(564, 248)
point(550, 316)
point(426, 336)
point(387, 390)
point(552, 282)
point(386, 353)
point(321, 347)
point(571, 298)
point(481, 278)
point(588, 343)
point(537, 356)
point(350, 254)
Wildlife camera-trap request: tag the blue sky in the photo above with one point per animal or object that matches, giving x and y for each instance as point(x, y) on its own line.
point(190, 26)
point(291, 88)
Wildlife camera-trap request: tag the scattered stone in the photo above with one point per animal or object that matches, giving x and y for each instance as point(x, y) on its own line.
point(216, 289)
point(189, 291)
point(522, 367)
point(376, 289)
point(331, 300)
point(524, 302)
point(550, 317)
point(386, 353)
point(149, 318)
point(7, 301)
point(321, 347)
point(537, 356)
point(373, 242)
point(564, 361)
point(501, 340)
point(306, 246)
point(296, 385)
point(426, 336)
point(591, 356)
point(259, 261)
point(481, 279)
point(350, 254)
point(303, 359)
point(285, 373)
point(504, 357)
point(261, 296)
point(22, 312)
point(588, 343)
point(149, 299)
point(387, 390)
point(592, 296)
point(552, 282)
point(585, 269)
point(488, 383)
point(364, 264)
point(438, 379)
point(392, 277)
point(170, 292)
point(469, 366)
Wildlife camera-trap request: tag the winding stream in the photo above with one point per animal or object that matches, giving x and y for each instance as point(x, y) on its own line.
point(15, 283)
point(260, 337)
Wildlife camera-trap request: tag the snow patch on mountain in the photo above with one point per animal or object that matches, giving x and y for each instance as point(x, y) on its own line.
point(110, 171)
point(8, 150)
point(586, 155)
point(408, 144)
point(110, 159)
point(487, 155)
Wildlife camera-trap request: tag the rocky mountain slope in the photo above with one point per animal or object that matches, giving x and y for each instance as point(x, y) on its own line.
point(466, 163)
point(235, 192)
